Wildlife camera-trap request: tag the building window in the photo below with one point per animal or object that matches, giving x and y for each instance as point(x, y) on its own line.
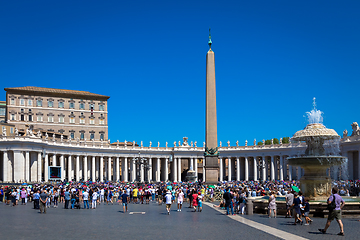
point(29, 102)
point(50, 103)
point(2, 111)
point(101, 122)
point(12, 101)
point(61, 119)
point(50, 119)
point(12, 130)
point(39, 118)
point(72, 105)
point(82, 106)
point(30, 118)
point(39, 103)
point(61, 104)
point(92, 121)
point(72, 135)
point(72, 120)
point(82, 120)
point(82, 136)
point(92, 136)
point(12, 117)
point(22, 117)
point(22, 102)
point(101, 107)
point(101, 136)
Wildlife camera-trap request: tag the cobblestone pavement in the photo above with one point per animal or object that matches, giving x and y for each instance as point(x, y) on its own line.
point(108, 222)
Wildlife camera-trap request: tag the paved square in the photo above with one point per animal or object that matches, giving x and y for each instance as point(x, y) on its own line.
point(108, 222)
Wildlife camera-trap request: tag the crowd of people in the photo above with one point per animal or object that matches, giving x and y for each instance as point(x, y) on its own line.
point(232, 196)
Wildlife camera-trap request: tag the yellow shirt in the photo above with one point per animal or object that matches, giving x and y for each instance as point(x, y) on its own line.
point(202, 191)
point(135, 192)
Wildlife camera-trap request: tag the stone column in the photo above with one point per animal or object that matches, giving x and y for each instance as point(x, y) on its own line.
point(53, 158)
point(101, 169)
point(264, 168)
point(158, 163)
point(166, 169)
point(109, 169)
point(117, 169)
point(179, 169)
point(281, 168)
point(62, 170)
point(27, 166)
point(77, 168)
point(93, 169)
point(221, 170)
point(255, 170)
point(133, 170)
point(46, 168)
point(142, 175)
point(246, 169)
point(6, 166)
point(192, 164)
point(150, 170)
point(69, 168)
point(18, 169)
point(125, 170)
point(175, 169)
point(39, 167)
point(85, 168)
point(196, 168)
point(237, 169)
point(229, 169)
point(272, 169)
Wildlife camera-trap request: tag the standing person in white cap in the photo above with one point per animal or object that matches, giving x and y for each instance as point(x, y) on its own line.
point(168, 198)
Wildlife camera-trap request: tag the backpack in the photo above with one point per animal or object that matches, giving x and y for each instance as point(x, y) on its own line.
point(332, 205)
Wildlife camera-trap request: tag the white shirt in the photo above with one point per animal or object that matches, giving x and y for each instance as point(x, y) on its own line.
point(168, 198)
point(86, 195)
point(94, 196)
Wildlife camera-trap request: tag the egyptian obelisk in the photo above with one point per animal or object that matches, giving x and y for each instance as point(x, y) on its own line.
point(211, 150)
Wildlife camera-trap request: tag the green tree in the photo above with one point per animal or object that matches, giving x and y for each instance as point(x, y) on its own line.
point(259, 143)
point(276, 141)
point(285, 140)
point(268, 142)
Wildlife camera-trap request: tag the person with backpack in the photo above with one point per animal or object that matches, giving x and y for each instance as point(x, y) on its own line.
point(335, 204)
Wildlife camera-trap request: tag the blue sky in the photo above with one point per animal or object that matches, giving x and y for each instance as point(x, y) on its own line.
point(272, 58)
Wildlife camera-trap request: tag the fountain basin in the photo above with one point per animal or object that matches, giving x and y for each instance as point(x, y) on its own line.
point(315, 183)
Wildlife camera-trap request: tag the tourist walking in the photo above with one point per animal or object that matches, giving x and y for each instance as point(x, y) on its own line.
point(297, 210)
point(43, 199)
point(86, 199)
point(36, 198)
point(194, 199)
point(94, 199)
point(168, 199)
point(336, 212)
point(180, 199)
point(228, 201)
point(67, 198)
point(289, 198)
point(272, 204)
point(125, 198)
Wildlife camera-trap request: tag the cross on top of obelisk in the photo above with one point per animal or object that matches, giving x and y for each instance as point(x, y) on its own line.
point(210, 42)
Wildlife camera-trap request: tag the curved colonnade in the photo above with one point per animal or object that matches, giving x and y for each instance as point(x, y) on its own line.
point(28, 159)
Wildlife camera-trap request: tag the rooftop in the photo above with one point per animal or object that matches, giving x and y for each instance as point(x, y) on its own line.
point(55, 91)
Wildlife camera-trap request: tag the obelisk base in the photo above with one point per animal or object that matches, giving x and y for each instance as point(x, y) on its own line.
point(211, 170)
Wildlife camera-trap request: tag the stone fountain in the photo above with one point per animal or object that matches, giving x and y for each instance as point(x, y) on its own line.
point(321, 153)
